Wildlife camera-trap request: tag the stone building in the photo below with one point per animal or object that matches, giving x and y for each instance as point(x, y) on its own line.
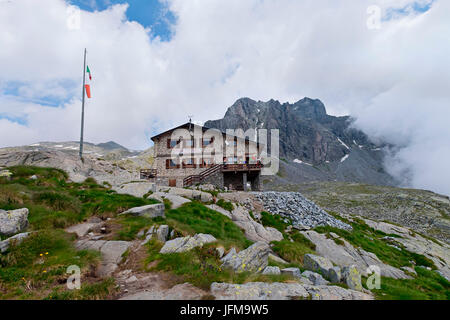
point(190, 154)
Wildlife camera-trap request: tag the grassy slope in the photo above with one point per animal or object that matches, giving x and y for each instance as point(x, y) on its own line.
point(202, 266)
point(426, 285)
point(37, 267)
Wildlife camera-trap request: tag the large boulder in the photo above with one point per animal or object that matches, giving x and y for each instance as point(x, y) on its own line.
point(335, 275)
point(17, 239)
point(13, 221)
point(271, 270)
point(295, 272)
point(317, 263)
point(162, 233)
point(254, 230)
point(315, 278)
point(352, 278)
point(191, 194)
point(187, 243)
point(254, 258)
point(83, 229)
point(137, 189)
point(149, 211)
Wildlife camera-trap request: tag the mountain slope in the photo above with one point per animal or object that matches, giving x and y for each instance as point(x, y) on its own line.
point(313, 145)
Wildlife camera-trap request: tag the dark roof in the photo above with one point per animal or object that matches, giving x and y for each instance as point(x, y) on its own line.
point(186, 125)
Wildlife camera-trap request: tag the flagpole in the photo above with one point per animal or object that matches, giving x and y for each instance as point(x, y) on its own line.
point(82, 106)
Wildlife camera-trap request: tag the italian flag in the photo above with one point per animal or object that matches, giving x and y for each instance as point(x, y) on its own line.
point(88, 86)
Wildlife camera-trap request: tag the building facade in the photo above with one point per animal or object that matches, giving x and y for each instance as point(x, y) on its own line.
point(189, 155)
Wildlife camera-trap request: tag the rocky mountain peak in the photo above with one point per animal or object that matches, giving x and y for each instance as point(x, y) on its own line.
point(309, 108)
point(311, 139)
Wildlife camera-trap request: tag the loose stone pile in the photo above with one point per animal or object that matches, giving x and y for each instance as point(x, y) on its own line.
point(303, 213)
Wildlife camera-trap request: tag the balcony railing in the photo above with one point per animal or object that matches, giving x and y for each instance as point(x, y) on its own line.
point(242, 167)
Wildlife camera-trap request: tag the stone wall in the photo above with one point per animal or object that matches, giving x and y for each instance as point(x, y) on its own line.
point(215, 179)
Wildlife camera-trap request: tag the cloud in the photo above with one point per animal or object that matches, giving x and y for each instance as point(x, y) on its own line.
point(393, 79)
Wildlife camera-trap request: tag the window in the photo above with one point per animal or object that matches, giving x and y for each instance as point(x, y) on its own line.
point(206, 141)
point(206, 162)
point(189, 163)
point(189, 143)
point(231, 160)
point(171, 164)
point(172, 143)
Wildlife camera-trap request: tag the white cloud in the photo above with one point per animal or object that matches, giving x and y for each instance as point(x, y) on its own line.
point(393, 79)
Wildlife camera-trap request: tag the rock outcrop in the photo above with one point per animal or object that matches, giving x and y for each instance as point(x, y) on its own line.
point(149, 211)
point(13, 221)
point(17, 239)
point(283, 291)
point(254, 230)
point(112, 253)
point(347, 255)
point(175, 200)
point(161, 233)
point(317, 264)
point(352, 278)
point(254, 258)
point(83, 229)
point(271, 270)
point(315, 278)
point(437, 251)
point(187, 243)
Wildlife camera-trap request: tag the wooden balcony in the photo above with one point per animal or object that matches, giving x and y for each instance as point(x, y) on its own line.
point(241, 167)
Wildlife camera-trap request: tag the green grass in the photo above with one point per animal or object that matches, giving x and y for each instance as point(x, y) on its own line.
point(39, 263)
point(275, 221)
point(89, 291)
point(55, 203)
point(225, 204)
point(130, 226)
point(428, 285)
point(371, 240)
point(194, 217)
point(293, 252)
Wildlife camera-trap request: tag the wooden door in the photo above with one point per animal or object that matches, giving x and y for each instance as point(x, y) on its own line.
point(172, 182)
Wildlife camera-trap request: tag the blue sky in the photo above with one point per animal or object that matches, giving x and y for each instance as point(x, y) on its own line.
point(150, 13)
point(416, 8)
